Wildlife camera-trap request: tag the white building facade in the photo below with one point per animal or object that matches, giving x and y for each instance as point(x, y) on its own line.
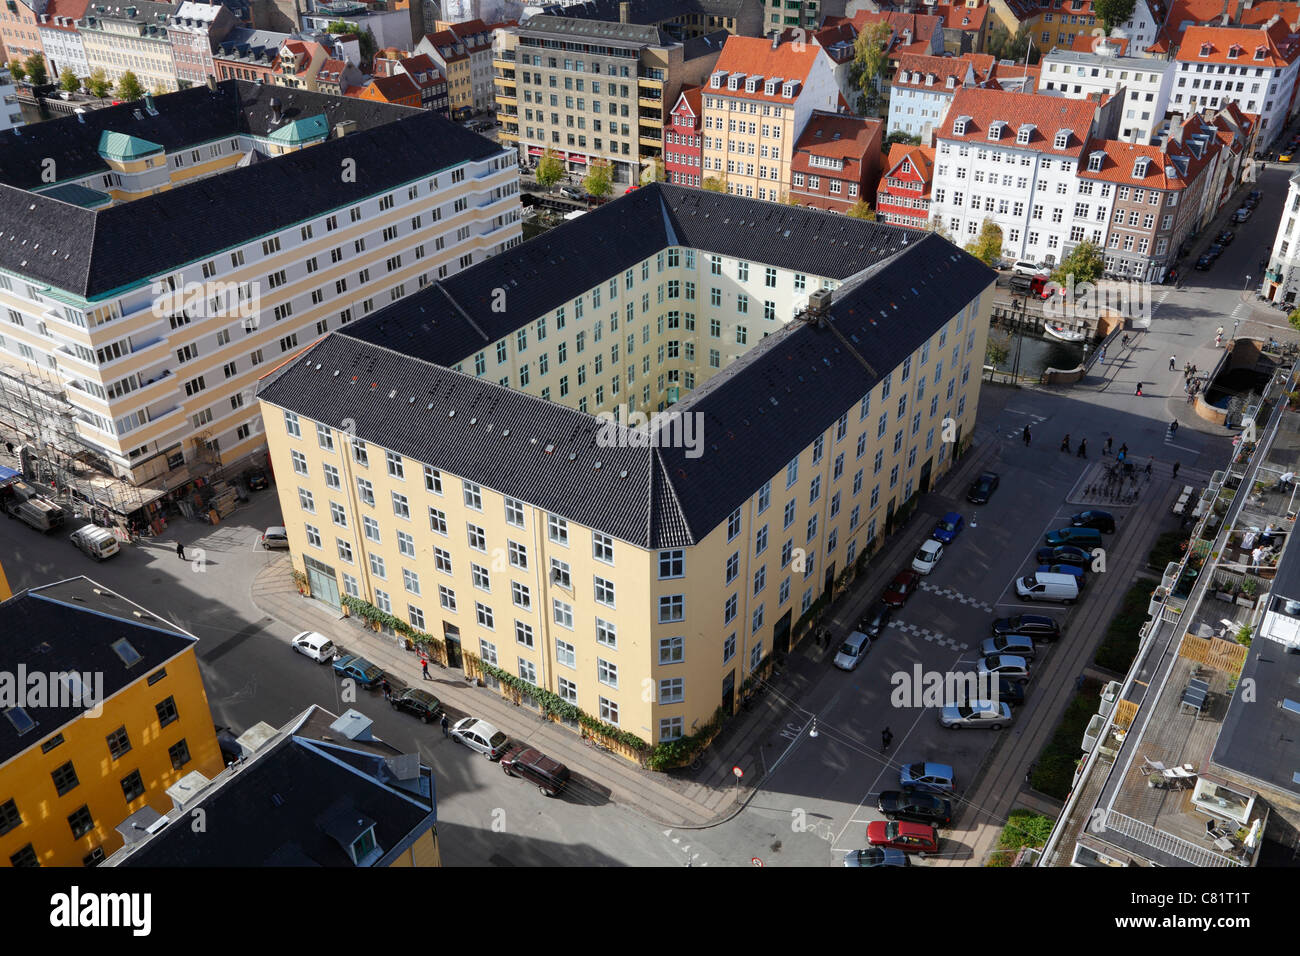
point(1146, 84)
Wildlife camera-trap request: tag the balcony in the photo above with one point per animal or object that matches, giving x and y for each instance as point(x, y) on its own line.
point(650, 102)
point(650, 73)
point(506, 55)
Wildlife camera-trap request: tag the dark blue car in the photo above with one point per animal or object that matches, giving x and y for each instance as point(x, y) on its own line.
point(949, 527)
point(359, 669)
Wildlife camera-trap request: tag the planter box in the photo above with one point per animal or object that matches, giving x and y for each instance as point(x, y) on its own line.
point(1246, 601)
point(1225, 596)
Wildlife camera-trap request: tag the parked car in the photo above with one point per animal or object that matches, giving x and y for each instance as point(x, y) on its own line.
point(1026, 267)
point(1103, 521)
point(232, 751)
point(1011, 692)
point(931, 777)
point(982, 488)
point(1242, 214)
point(908, 837)
point(276, 536)
point(1286, 156)
point(1255, 194)
point(256, 479)
point(1249, 203)
point(915, 807)
point(948, 528)
point(852, 651)
point(1204, 263)
point(874, 622)
point(1225, 238)
point(572, 192)
point(1064, 569)
point(901, 588)
point(314, 645)
point(927, 557)
point(1065, 554)
point(359, 669)
point(1038, 626)
point(876, 856)
point(1214, 249)
point(1005, 665)
point(1083, 537)
point(982, 714)
point(95, 542)
point(419, 702)
point(481, 736)
point(1019, 644)
point(549, 776)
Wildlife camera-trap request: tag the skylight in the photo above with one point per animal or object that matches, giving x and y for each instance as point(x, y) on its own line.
point(126, 652)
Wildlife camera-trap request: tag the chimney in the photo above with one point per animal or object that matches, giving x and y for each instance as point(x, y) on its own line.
point(776, 39)
point(343, 128)
point(212, 83)
point(624, 12)
point(275, 111)
point(148, 105)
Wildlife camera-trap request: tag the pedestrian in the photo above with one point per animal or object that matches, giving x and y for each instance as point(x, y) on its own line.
point(1083, 448)
point(1173, 427)
point(1218, 336)
point(1103, 355)
point(1078, 682)
point(1123, 451)
point(1176, 466)
point(444, 724)
point(886, 736)
point(1124, 340)
point(1139, 389)
point(1106, 450)
point(1026, 436)
point(424, 666)
point(180, 550)
point(386, 688)
point(1149, 464)
point(1173, 363)
point(1065, 442)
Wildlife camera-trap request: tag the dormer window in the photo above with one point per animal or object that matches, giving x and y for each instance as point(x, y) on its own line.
point(751, 84)
point(769, 88)
point(995, 129)
point(929, 79)
point(1205, 49)
point(1062, 140)
point(715, 81)
point(959, 125)
point(951, 83)
point(787, 89)
point(1023, 134)
point(733, 81)
point(1234, 51)
point(1260, 52)
point(1140, 167)
point(1095, 160)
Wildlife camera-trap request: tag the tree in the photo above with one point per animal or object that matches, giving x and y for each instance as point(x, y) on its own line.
point(714, 184)
point(652, 171)
point(598, 182)
point(936, 227)
point(129, 88)
point(549, 170)
point(36, 71)
point(861, 210)
point(1006, 47)
point(17, 70)
point(871, 56)
point(160, 90)
point(1112, 13)
point(987, 247)
point(1294, 319)
point(898, 136)
point(68, 81)
point(996, 349)
point(1085, 263)
point(98, 83)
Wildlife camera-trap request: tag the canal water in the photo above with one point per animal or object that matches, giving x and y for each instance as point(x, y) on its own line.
point(1039, 354)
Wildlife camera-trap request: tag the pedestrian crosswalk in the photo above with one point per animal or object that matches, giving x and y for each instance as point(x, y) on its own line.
point(957, 596)
point(1027, 419)
point(934, 637)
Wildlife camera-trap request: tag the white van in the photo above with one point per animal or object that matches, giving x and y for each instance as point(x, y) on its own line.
point(1046, 586)
point(98, 543)
point(1026, 267)
point(314, 645)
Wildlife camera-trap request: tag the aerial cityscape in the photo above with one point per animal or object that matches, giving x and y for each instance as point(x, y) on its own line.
point(641, 433)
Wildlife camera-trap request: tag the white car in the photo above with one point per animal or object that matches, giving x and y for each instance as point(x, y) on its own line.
point(852, 651)
point(276, 536)
point(927, 557)
point(315, 645)
point(982, 713)
point(481, 736)
point(1024, 267)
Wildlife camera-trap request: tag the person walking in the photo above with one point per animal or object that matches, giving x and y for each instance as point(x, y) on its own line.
point(1026, 436)
point(1106, 450)
point(1218, 336)
point(1083, 448)
point(1102, 356)
point(1177, 464)
point(1124, 340)
point(1150, 462)
point(1173, 427)
point(886, 736)
point(180, 550)
point(1173, 363)
point(1065, 442)
point(1123, 451)
point(424, 666)
point(1138, 392)
point(444, 724)
point(386, 688)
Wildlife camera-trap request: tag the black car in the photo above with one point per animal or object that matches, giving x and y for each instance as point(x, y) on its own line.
point(1065, 554)
point(876, 619)
point(1011, 693)
point(419, 702)
point(1204, 263)
point(1250, 203)
point(256, 479)
point(1255, 194)
point(1103, 521)
point(1038, 626)
point(915, 807)
point(1225, 238)
point(1214, 250)
point(982, 488)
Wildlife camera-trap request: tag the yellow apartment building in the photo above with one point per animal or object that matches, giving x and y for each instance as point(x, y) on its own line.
point(463, 460)
point(118, 37)
point(173, 250)
point(103, 710)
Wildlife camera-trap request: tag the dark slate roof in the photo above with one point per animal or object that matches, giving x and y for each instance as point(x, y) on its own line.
point(758, 412)
point(706, 45)
point(572, 24)
point(1286, 582)
point(90, 253)
point(1259, 738)
point(290, 802)
point(72, 626)
point(647, 11)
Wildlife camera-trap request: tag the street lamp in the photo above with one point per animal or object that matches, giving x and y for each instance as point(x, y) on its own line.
point(1020, 334)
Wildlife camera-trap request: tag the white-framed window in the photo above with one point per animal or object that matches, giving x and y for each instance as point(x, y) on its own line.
point(523, 634)
point(604, 591)
point(432, 480)
point(606, 672)
point(608, 711)
point(563, 612)
point(477, 538)
point(557, 529)
point(602, 547)
point(606, 633)
point(514, 512)
point(377, 566)
point(446, 597)
point(366, 491)
point(480, 577)
point(521, 596)
point(405, 544)
point(401, 507)
point(473, 495)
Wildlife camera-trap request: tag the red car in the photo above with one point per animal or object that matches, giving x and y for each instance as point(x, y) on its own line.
point(901, 588)
point(908, 837)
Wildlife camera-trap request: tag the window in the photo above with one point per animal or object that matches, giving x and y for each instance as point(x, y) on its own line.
point(672, 608)
point(606, 672)
point(167, 712)
point(401, 507)
point(432, 480)
point(394, 462)
point(473, 495)
point(523, 634)
point(672, 650)
point(81, 822)
point(672, 564)
point(518, 555)
point(180, 754)
point(446, 597)
point(557, 529)
point(602, 547)
point(514, 512)
point(604, 591)
point(477, 538)
point(65, 778)
point(118, 743)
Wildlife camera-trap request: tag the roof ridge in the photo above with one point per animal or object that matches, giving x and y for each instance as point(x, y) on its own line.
point(662, 466)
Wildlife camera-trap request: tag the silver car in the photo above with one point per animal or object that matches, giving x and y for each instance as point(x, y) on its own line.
point(1010, 666)
point(852, 651)
point(981, 713)
point(481, 736)
point(1017, 644)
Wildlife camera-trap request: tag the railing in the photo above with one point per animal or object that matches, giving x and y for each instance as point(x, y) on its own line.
point(650, 73)
point(1175, 846)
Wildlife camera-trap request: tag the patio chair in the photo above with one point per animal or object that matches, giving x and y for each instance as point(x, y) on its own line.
point(1150, 766)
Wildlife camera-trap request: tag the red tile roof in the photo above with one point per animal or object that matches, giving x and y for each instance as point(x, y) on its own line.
point(961, 17)
point(1087, 43)
point(1047, 114)
point(1188, 12)
point(395, 88)
point(1279, 45)
point(977, 65)
point(754, 56)
point(836, 136)
point(330, 71)
point(921, 26)
point(921, 158)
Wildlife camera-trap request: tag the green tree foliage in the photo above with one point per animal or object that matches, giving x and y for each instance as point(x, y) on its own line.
point(17, 70)
point(1294, 319)
point(898, 136)
point(36, 71)
point(549, 170)
point(1085, 263)
point(68, 81)
point(98, 83)
point(714, 184)
point(870, 57)
point(1004, 46)
point(861, 210)
point(987, 247)
point(598, 182)
point(129, 88)
point(1112, 13)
